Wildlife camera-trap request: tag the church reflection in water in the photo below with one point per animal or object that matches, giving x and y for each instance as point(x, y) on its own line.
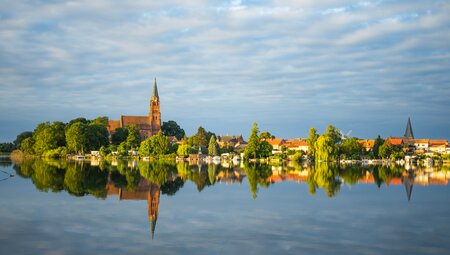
point(145, 190)
point(138, 180)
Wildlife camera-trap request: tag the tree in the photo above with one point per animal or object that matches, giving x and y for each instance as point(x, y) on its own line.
point(133, 138)
point(22, 136)
point(77, 137)
point(252, 149)
point(386, 149)
point(27, 145)
point(119, 135)
point(201, 137)
point(312, 138)
point(351, 148)
point(266, 135)
point(265, 149)
point(183, 150)
point(213, 147)
point(376, 146)
point(160, 144)
point(49, 136)
point(6, 147)
point(97, 136)
point(171, 128)
point(102, 120)
point(326, 149)
point(334, 134)
point(146, 148)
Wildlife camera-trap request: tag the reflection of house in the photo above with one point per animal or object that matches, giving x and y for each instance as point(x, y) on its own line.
point(144, 191)
point(147, 125)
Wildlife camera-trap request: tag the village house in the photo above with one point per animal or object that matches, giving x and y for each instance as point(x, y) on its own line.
point(367, 144)
point(276, 143)
point(298, 144)
point(439, 146)
point(229, 140)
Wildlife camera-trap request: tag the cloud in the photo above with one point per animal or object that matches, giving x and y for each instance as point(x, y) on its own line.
point(301, 63)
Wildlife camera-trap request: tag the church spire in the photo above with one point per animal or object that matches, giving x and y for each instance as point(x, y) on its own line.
point(155, 90)
point(408, 132)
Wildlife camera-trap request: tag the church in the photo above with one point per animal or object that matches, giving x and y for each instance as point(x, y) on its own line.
point(147, 125)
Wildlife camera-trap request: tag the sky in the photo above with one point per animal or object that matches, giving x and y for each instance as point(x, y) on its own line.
point(364, 66)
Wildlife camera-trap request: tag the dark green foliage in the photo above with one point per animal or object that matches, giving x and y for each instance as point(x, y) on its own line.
point(133, 138)
point(351, 148)
point(120, 135)
point(171, 187)
point(311, 141)
point(7, 147)
point(213, 147)
point(376, 147)
point(171, 128)
point(22, 136)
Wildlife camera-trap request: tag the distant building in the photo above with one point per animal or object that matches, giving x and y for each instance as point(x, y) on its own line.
point(298, 144)
point(276, 143)
point(147, 125)
point(367, 144)
point(229, 140)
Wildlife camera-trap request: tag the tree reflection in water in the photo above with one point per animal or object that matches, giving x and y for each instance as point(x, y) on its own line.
point(145, 180)
point(324, 175)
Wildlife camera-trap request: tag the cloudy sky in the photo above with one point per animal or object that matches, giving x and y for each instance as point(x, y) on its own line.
point(288, 65)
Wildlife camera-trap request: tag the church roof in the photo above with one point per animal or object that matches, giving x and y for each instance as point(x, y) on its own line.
point(155, 90)
point(135, 120)
point(408, 132)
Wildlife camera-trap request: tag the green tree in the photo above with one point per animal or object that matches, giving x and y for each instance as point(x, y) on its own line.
point(27, 145)
point(119, 135)
point(22, 136)
point(183, 150)
point(266, 135)
point(48, 136)
point(6, 147)
point(386, 149)
point(103, 121)
point(122, 149)
point(171, 128)
point(265, 149)
point(334, 134)
point(201, 137)
point(97, 136)
point(213, 147)
point(77, 137)
point(326, 149)
point(146, 148)
point(376, 146)
point(351, 148)
point(252, 149)
point(312, 138)
point(133, 138)
point(160, 144)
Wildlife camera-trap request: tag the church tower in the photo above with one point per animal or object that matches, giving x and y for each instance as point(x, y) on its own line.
point(155, 113)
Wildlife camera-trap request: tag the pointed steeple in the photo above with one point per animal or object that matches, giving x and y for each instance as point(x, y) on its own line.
point(155, 90)
point(408, 132)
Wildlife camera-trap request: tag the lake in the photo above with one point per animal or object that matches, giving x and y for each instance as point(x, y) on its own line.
point(120, 207)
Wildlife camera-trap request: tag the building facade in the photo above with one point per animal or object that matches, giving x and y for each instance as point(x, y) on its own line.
point(147, 125)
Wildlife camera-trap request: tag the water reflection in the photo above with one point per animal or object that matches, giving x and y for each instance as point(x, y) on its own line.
point(139, 180)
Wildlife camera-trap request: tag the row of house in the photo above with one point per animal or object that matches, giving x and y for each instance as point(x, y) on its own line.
point(417, 145)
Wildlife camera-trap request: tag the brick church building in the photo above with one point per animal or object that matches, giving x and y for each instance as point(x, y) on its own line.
point(148, 125)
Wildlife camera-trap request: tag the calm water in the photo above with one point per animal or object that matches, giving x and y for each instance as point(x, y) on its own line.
point(61, 207)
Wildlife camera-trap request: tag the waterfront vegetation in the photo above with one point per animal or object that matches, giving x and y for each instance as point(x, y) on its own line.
point(81, 136)
point(80, 178)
